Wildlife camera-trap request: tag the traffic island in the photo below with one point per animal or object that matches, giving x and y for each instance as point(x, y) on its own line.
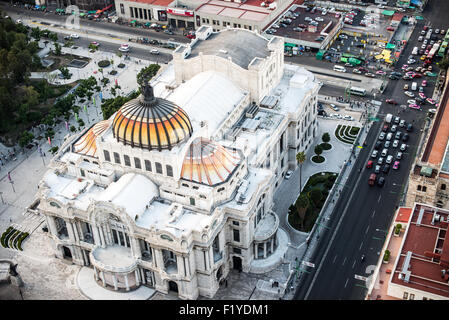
point(318, 159)
point(306, 209)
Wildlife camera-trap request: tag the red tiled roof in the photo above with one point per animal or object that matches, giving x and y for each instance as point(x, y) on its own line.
point(424, 241)
point(403, 214)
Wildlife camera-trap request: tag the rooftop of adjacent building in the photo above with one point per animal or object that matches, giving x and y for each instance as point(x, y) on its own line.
point(240, 45)
point(435, 151)
point(424, 252)
point(326, 26)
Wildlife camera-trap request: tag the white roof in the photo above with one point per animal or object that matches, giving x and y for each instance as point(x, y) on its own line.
point(132, 191)
point(208, 96)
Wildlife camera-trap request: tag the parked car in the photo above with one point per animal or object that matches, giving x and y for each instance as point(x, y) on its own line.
point(402, 123)
point(74, 36)
point(403, 147)
point(431, 101)
point(288, 174)
point(414, 106)
point(334, 107)
point(377, 168)
point(409, 94)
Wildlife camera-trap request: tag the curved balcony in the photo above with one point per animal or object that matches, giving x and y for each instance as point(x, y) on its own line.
point(266, 227)
point(116, 259)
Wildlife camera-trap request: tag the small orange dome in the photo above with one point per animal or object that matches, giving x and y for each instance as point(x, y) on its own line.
point(208, 162)
point(86, 144)
point(151, 123)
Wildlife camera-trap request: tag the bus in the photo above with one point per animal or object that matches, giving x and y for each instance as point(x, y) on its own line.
point(339, 68)
point(356, 91)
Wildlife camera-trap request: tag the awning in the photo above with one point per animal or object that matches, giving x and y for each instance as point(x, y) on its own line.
point(388, 12)
point(426, 171)
point(286, 44)
point(134, 21)
point(390, 46)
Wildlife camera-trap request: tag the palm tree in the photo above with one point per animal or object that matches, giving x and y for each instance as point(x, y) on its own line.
point(300, 158)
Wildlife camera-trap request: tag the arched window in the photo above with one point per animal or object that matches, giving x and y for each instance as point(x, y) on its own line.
point(127, 161)
point(158, 168)
point(443, 187)
point(419, 187)
point(169, 170)
point(107, 157)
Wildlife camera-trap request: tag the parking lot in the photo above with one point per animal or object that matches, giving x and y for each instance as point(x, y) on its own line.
point(299, 26)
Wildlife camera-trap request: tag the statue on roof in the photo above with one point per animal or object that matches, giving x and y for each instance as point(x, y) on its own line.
point(147, 91)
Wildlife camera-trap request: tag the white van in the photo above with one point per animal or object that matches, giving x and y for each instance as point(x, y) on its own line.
point(339, 68)
point(415, 51)
point(389, 136)
point(414, 86)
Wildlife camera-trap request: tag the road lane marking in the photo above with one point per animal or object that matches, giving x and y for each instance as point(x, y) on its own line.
point(380, 196)
point(346, 283)
point(335, 258)
point(344, 262)
point(374, 212)
point(361, 244)
point(353, 265)
point(366, 231)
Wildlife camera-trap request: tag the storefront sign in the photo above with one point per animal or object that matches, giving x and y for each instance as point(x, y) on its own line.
point(180, 12)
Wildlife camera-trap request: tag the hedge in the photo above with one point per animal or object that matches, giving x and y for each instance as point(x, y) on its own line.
point(2, 240)
point(22, 237)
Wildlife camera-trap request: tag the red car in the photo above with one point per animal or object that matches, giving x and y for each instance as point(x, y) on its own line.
point(416, 75)
point(390, 29)
point(391, 101)
point(369, 165)
point(385, 128)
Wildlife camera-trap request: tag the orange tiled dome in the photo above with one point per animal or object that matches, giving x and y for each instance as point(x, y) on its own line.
point(86, 144)
point(208, 162)
point(151, 123)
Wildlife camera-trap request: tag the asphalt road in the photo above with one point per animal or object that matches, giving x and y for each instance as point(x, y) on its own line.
point(111, 28)
point(367, 211)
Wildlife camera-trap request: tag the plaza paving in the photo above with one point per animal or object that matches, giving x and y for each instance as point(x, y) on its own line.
point(48, 278)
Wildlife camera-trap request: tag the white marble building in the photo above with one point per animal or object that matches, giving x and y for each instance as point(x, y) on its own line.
point(176, 188)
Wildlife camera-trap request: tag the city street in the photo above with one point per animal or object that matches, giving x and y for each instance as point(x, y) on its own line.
point(363, 213)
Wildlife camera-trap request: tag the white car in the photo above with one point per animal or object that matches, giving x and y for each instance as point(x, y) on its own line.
point(124, 48)
point(410, 94)
point(399, 155)
point(349, 118)
point(374, 154)
point(411, 101)
point(319, 19)
point(395, 143)
point(389, 159)
point(288, 174)
point(154, 51)
point(74, 36)
point(402, 123)
point(403, 147)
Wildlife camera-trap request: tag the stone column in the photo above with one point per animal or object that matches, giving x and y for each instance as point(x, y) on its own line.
point(180, 264)
point(70, 231)
point(126, 282)
point(52, 225)
point(211, 256)
point(137, 275)
point(264, 249)
point(135, 247)
point(255, 251)
point(103, 243)
point(78, 227)
point(97, 240)
point(114, 278)
point(272, 245)
point(75, 231)
point(159, 259)
point(142, 276)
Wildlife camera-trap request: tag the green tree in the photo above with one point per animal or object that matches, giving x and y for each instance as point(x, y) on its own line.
point(300, 158)
point(302, 204)
point(25, 139)
point(36, 33)
point(65, 72)
point(315, 195)
point(318, 150)
point(147, 73)
point(72, 128)
point(326, 137)
point(57, 49)
point(444, 64)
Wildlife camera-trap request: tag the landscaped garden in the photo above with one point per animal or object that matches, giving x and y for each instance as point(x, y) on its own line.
point(306, 209)
point(347, 134)
point(13, 238)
